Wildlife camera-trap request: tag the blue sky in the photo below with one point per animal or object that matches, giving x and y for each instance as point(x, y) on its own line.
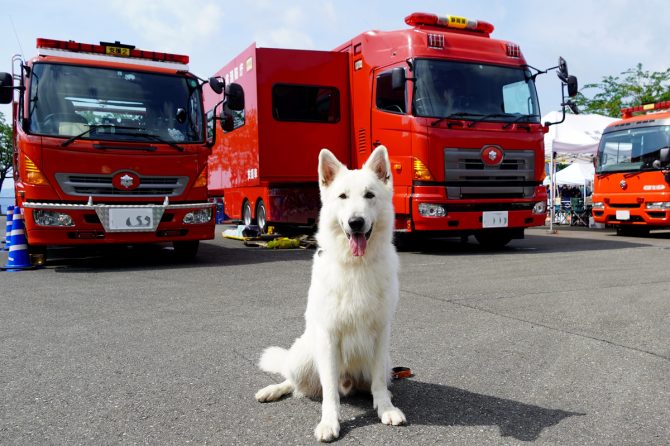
point(597, 38)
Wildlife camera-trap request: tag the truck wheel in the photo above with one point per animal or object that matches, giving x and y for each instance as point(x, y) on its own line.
point(632, 231)
point(493, 239)
point(247, 219)
point(186, 250)
point(261, 216)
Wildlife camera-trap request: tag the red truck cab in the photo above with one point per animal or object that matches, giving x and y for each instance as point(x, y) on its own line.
point(109, 147)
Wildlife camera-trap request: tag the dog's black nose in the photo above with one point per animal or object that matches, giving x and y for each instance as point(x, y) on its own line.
point(356, 223)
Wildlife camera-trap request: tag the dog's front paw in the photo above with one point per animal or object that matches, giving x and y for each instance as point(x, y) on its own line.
point(269, 393)
point(393, 416)
point(327, 430)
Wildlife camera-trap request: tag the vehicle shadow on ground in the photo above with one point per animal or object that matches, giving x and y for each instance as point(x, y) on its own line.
point(538, 244)
point(143, 257)
point(439, 405)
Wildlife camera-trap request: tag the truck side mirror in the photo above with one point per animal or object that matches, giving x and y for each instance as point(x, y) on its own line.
point(573, 107)
point(6, 88)
point(227, 122)
point(573, 88)
point(664, 155)
point(398, 78)
point(217, 84)
point(235, 97)
point(181, 115)
point(562, 70)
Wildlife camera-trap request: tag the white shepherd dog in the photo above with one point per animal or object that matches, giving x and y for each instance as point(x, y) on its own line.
point(352, 297)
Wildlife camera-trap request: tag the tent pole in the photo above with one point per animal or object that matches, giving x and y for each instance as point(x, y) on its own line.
point(552, 193)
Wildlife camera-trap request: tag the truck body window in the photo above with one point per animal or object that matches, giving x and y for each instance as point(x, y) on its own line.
point(305, 103)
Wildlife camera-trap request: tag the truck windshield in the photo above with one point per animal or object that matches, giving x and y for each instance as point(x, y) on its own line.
point(114, 104)
point(632, 149)
point(474, 91)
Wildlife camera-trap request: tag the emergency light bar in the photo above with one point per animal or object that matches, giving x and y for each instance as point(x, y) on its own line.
point(448, 21)
point(111, 49)
point(628, 112)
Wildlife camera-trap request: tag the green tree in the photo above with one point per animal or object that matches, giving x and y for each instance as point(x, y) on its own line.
point(634, 86)
point(6, 149)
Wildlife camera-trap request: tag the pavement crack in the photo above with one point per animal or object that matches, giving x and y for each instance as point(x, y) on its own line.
point(461, 303)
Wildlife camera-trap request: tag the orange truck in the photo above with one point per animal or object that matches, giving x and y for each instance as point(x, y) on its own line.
point(631, 188)
point(109, 146)
point(457, 110)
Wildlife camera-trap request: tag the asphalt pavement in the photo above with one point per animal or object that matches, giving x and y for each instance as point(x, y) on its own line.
point(557, 339)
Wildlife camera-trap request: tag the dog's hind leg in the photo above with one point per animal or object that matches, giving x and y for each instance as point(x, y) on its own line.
point(274, 391)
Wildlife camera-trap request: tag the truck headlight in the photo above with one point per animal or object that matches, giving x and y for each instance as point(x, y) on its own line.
point(599, 205)
point(432, 210)
point(203, 215)
point(540, 207)
point(658, 205)
point(52, 218)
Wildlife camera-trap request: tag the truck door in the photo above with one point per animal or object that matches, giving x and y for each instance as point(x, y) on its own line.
point(390, 126)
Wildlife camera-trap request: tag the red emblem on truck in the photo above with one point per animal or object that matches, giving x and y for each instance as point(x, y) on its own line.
point(126, 181)
point(492, 155)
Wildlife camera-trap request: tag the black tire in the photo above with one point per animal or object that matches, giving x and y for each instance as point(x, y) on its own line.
point(186, 250)
point(404, 241)
point(261, 216)
point(493, 239)
point(632, 231)
point(247, 218)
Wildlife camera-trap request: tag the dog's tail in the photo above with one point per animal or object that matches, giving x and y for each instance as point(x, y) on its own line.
point(273, 359)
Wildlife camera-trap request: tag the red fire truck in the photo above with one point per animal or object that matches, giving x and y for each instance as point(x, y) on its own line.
point(631, 189)
point(456, 109)
point(109, 146)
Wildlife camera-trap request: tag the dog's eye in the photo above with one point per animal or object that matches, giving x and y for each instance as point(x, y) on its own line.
point(343, 196)
point(369, 195)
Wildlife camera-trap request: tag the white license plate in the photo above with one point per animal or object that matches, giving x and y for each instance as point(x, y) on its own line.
point(497, 219)
point(623, 215)
point(131, 219)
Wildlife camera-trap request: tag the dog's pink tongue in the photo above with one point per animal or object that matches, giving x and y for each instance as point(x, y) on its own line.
point(357, 244)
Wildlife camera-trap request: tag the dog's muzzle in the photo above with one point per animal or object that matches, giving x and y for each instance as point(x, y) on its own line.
point(358, 240)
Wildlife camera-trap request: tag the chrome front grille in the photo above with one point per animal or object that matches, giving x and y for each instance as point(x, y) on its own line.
point(467, 176)
point(101, 186)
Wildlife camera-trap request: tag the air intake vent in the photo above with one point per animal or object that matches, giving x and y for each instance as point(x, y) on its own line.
point(362, 140)
point(102, 186)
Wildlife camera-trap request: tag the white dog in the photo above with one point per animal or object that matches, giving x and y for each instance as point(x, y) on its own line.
point(352, 297)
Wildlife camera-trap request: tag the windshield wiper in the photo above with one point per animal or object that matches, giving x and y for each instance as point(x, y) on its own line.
point(156, 138)
point(454, 116)
point(139, 132)
point(490, 115)
point(517, 119)
point(90, 128)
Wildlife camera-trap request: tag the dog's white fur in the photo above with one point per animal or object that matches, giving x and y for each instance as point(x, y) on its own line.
point(352, 297)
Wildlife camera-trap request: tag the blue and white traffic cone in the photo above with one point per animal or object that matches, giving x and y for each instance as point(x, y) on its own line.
point(8, 238)
point(18, 258)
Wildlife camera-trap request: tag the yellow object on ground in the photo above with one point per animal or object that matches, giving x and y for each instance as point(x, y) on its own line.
point(284, 243)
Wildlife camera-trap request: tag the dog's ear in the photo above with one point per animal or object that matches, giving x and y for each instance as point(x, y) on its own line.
point(379, 163)
point(329, 166)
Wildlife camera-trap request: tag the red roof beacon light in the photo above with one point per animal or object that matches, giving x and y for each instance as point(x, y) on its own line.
point(116, 49)
point(628, 112)
point(449, 21)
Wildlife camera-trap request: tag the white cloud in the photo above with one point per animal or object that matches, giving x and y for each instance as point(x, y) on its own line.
point(171, 25)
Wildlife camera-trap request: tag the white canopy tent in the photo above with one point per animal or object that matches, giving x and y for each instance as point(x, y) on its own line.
point(576, 135)
point(576, 174)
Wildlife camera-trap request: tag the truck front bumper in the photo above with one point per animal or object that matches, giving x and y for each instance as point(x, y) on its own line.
point(76, 224)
